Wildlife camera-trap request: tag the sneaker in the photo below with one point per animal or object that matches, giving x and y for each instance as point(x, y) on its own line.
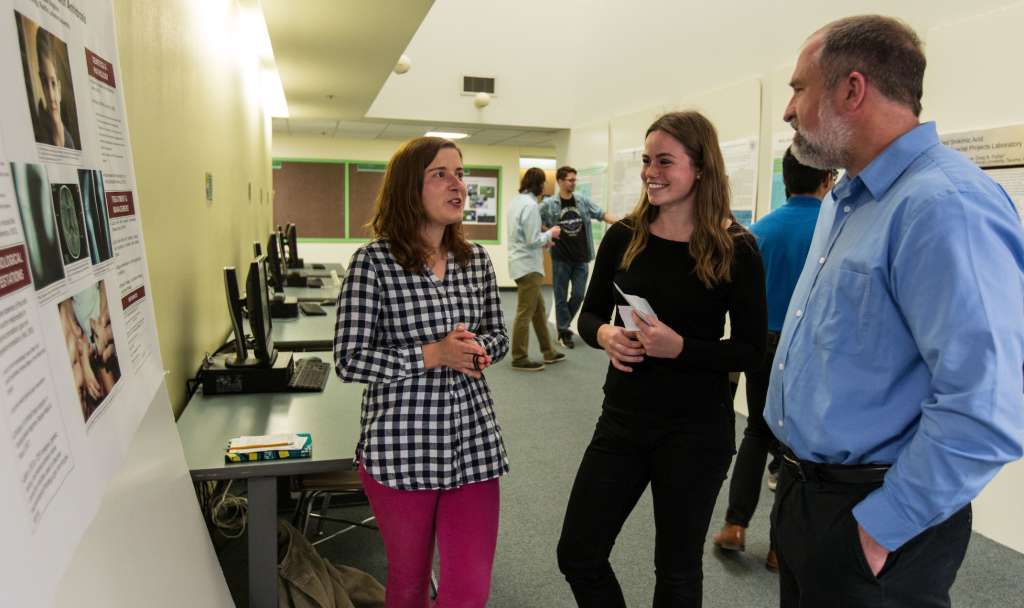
point(528, 366)
point(565, 340)
point(557, 358)
point(773, 481)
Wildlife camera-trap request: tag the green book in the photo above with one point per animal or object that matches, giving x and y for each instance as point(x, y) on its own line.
point(305, 451)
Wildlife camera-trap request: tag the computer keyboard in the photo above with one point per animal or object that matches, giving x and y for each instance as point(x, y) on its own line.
point(312, 309)
point(314, 282)
point(309, 376)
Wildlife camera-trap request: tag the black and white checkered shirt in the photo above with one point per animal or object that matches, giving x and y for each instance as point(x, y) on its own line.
point(421, 429)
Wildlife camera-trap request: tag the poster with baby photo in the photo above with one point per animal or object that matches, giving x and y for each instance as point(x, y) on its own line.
point(89, 337)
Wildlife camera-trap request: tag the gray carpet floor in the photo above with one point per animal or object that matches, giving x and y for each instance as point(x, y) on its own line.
point(547, 419)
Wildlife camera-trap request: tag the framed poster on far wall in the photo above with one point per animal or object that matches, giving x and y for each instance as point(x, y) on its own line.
point(481, 200)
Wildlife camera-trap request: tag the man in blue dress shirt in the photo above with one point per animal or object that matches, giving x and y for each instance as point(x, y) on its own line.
point(897, 387)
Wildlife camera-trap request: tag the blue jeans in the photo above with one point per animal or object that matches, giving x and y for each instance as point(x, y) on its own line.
point(566, 307)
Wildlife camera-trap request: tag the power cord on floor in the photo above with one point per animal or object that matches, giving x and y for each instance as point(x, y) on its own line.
point(229, 512)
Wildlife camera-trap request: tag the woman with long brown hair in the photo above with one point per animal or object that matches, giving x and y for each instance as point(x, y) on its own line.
point(667, 419)
point(419, 319)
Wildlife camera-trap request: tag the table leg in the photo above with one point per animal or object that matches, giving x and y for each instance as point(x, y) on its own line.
point(262, 542)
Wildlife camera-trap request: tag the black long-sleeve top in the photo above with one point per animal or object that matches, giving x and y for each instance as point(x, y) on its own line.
point(695, 385)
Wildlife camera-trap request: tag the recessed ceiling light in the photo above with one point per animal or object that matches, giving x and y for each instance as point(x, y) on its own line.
point(446, 134)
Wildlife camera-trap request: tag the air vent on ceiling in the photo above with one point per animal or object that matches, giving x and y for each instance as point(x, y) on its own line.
point(471, 85)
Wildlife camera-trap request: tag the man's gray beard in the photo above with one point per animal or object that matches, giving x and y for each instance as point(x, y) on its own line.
point(830, 150)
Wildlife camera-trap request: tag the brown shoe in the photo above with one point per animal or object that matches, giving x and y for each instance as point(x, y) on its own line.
point(732, 538)
point(772, 561)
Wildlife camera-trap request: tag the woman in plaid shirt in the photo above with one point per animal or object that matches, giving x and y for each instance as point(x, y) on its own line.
point(419, 319)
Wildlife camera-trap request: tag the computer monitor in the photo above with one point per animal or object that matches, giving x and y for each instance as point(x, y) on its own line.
point(294, 261)
point(257, 301)
point(274, 262)
point(257, 249)
point(235, 313)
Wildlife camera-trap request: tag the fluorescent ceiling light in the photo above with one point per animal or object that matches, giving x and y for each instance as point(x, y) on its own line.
point(446, 134)
point(540, 163)
point(257, 38)
point(274, 101)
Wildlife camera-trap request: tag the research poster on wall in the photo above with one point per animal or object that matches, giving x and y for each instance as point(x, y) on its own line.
point(481, 200)
point(1000, 153)
point(780, 143)
point(79, 356)
point(741, 165)
point(626, 183)
point(590, 183)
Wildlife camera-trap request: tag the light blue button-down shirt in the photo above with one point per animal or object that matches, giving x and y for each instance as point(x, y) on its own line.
point(525, 239)
point(904, 339)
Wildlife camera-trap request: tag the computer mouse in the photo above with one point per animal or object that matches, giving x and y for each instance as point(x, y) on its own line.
point(328, 302)
point(314, 359)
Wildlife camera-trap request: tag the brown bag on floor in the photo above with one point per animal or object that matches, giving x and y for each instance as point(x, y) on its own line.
point(307, 580)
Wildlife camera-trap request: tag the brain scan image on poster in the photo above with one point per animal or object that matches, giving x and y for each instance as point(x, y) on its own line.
point(32, 189)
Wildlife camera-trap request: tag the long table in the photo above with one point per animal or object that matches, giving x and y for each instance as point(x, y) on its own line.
point(332, 417)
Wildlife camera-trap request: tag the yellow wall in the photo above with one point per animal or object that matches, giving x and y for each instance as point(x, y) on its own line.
point(193, 105)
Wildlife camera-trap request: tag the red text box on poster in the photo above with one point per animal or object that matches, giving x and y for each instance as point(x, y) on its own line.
point(132, 297)
point(99, 68)
point(120, 204)
point(13, 269)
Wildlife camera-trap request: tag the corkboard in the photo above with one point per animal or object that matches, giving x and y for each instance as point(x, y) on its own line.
point(364, 182)
point(312, 196)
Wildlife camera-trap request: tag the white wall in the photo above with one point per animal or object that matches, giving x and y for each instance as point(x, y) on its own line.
point(507, 157)
point(971, 83)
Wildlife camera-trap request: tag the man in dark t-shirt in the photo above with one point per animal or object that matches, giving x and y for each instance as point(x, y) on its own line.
point(574, 249)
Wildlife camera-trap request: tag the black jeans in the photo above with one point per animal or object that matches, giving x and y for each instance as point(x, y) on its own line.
point(758, 442)
point(685, 465)
point(821, 562)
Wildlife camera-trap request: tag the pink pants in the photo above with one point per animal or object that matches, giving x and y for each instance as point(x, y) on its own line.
point(465, 524)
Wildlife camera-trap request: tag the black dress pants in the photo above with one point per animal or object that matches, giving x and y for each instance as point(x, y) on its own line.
point(685, 464)
point(758, 442)
point(822, 564)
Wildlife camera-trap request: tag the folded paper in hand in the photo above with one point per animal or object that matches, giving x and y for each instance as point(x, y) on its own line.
point(636, 303)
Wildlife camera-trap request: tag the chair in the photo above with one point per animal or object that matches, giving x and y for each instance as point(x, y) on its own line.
point(335, 489)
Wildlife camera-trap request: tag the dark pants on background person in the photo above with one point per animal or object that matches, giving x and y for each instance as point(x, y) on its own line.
point(566, 306)
point(758, 442)
point(530, 308)
point(821, 562)
point(685, 465)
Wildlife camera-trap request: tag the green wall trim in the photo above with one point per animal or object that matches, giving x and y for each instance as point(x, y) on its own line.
point(347, 232)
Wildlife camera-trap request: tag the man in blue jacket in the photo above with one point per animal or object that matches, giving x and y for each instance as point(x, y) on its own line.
point(573, 251)
point(896, 389)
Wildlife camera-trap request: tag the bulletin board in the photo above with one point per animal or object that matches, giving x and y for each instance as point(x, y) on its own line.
point(311, 194)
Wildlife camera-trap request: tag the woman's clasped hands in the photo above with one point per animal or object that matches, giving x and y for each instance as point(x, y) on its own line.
point(459, 351)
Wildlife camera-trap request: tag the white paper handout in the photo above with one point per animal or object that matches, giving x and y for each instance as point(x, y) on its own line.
point(637, 303)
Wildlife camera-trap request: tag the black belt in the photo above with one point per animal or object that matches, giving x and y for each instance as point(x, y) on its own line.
point(806, 470)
